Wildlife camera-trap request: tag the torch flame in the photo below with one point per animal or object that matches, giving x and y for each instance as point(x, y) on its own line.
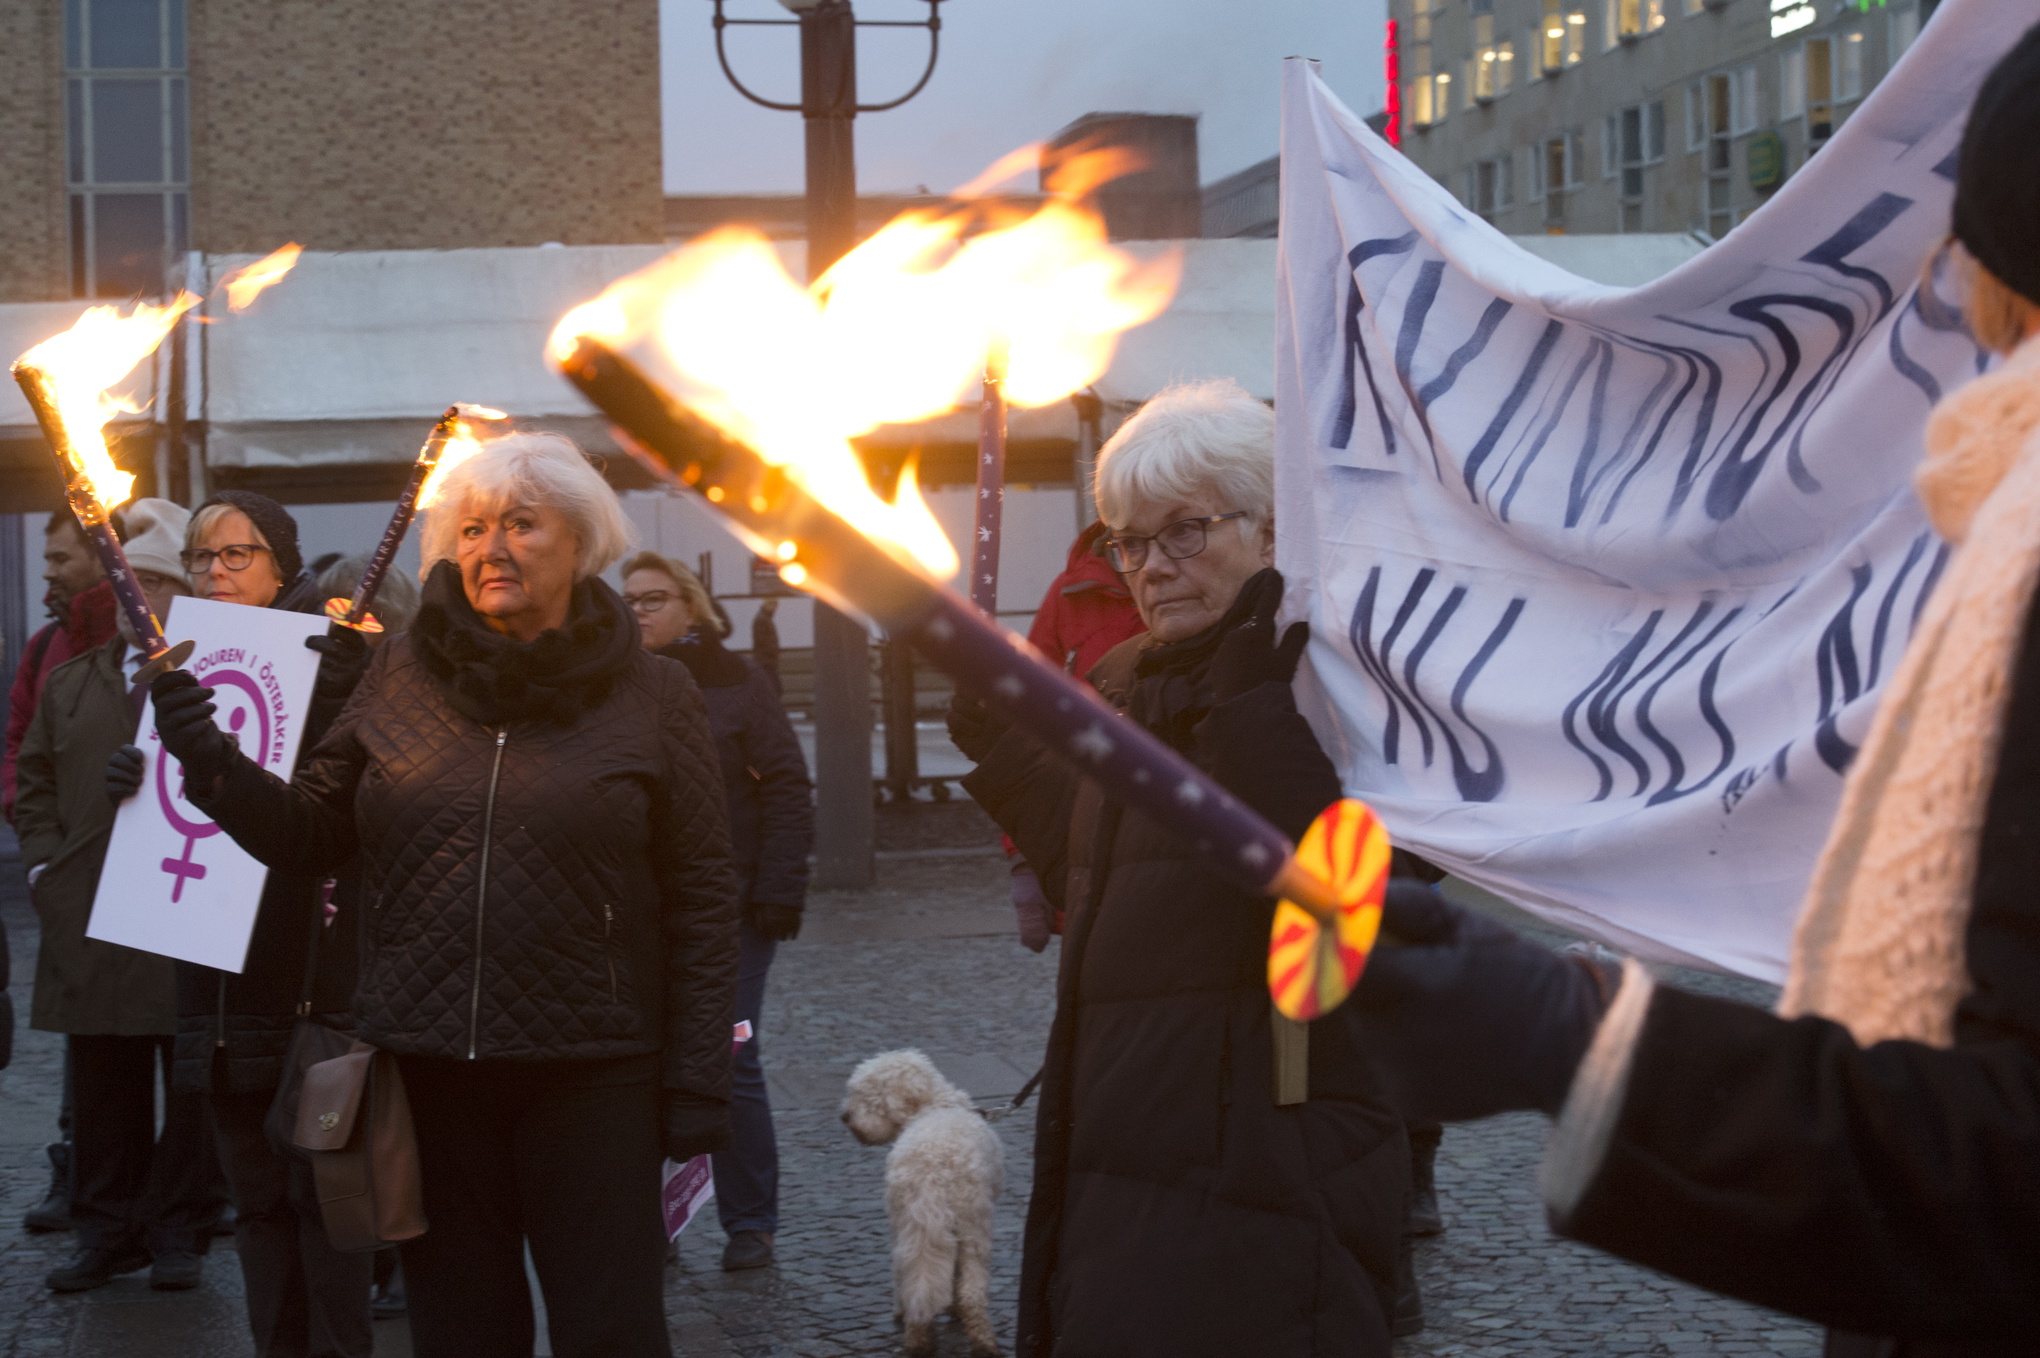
point(247, 283)
point(85, 363)
point(462, 445)
point(898, 331)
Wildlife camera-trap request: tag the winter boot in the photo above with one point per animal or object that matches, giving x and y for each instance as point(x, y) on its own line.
point(53, 1213)
point(1409, 1302)
point(1424, 1216)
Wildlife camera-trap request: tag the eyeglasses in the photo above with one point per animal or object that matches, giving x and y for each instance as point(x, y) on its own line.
point(1179, 541)
point(235, 556)
point(650, 602)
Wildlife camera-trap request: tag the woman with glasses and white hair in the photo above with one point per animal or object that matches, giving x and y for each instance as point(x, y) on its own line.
point(550, 943)
point(1177, 1208)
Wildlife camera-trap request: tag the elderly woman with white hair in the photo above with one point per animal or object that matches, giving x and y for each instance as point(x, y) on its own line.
point(1177, 1208)
point(550, 944)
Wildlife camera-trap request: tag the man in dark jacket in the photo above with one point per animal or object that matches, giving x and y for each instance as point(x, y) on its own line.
point(765, 780)
point(81, 611)
point(142, 1199)
point(81, 607)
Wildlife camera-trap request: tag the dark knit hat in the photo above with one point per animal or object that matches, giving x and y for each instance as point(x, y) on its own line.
point(272, 520)
point(1997, 178)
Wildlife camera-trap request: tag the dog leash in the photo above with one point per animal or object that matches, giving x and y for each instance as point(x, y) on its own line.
point(994, 1114)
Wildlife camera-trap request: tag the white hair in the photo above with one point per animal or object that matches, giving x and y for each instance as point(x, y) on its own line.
point(536, 469)
point(1189, 439)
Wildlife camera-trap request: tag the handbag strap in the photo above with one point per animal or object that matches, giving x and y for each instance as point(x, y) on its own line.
point(304, 1007)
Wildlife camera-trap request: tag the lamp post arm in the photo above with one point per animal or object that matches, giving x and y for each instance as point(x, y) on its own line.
point(933, 23)
point(722, 57)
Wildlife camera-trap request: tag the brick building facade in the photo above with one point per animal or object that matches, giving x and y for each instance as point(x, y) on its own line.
point(133, 130)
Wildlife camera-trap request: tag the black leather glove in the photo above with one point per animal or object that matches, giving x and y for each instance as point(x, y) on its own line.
point(124, 771)
point(778, 923)
point(344, 655)
point(1249, 655)
point(184, 713)
point(973, 727)
point(694, 1124)
point(1465, 1018)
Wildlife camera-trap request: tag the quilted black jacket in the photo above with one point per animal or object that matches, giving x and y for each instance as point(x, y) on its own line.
point(545, 889)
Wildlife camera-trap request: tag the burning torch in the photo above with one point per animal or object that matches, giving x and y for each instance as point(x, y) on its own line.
point(1329, 889)
point(450, 443)
point(67, 379)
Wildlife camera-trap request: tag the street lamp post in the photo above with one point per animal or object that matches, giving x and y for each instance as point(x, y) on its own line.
point(844, 822)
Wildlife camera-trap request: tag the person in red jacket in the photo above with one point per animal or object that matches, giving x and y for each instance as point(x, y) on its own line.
point(81, 602)
point(1085, 613)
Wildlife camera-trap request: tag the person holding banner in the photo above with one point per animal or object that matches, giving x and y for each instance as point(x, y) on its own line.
point(551, 938)
point(772, 830)
point(1178, 1208)
point(142, 1197)
point(233, 1028)
point(1869, 1156)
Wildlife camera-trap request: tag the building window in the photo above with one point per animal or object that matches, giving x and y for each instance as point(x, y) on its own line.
point(1719, 107)
point(1557, 166)
point(1420, 28)
point(1630, 141)
point(1488, 188)
point(1692, 7)
point(1849, 78)
point(127, 144)
point(1628, 20)
point(1904, 24)
point(1429, 97)
point(1806, 87)
point(1493, 70)
point(1563, 41)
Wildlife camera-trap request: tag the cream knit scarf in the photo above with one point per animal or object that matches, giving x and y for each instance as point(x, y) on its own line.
point(1880, 942)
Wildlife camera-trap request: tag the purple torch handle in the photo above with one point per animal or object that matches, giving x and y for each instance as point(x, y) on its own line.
point(371, 580)
point(765, 506)
point(991, 487)
point(1071, 718)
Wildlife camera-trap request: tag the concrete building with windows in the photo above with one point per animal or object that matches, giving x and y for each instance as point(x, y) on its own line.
point(1604, 116)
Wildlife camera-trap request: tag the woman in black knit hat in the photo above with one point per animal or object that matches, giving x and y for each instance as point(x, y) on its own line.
point(303, 1296)
point(1868, 1157)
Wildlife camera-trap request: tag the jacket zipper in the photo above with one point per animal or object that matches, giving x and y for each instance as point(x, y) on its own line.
point(482, 892)
point(609, 953)
point(220, 1035)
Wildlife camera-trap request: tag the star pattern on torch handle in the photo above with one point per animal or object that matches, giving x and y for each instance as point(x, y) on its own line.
point(1093, 743)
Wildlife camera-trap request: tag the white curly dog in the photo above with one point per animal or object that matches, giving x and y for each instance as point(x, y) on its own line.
point(944, 1172)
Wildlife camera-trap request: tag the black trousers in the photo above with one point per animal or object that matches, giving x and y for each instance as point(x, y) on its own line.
point(130, 1185)
point(564, 1155)
point(305, 1298)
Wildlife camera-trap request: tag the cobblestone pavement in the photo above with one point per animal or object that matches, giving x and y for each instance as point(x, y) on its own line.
point(925, 960)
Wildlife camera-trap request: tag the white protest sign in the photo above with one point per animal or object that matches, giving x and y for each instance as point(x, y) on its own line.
point(174, 883)
point(685, 1190)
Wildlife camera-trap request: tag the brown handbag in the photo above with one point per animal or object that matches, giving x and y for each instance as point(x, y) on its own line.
point(355, 1122)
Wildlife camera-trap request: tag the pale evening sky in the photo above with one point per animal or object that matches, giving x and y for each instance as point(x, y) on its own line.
point(1011, 72)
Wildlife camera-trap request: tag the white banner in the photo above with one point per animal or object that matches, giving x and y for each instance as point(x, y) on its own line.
point(1603, 583)
point(174, 883)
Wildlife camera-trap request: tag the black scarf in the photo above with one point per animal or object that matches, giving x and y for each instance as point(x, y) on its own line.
point(562, 673)
point(701, 651)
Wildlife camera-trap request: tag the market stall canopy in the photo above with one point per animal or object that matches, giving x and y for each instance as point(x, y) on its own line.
point(324, 389)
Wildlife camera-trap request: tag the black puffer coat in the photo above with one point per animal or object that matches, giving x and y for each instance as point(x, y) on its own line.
point(772, 812)
point(1177, 1210)
point(545, 856)
point(247, 1016)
